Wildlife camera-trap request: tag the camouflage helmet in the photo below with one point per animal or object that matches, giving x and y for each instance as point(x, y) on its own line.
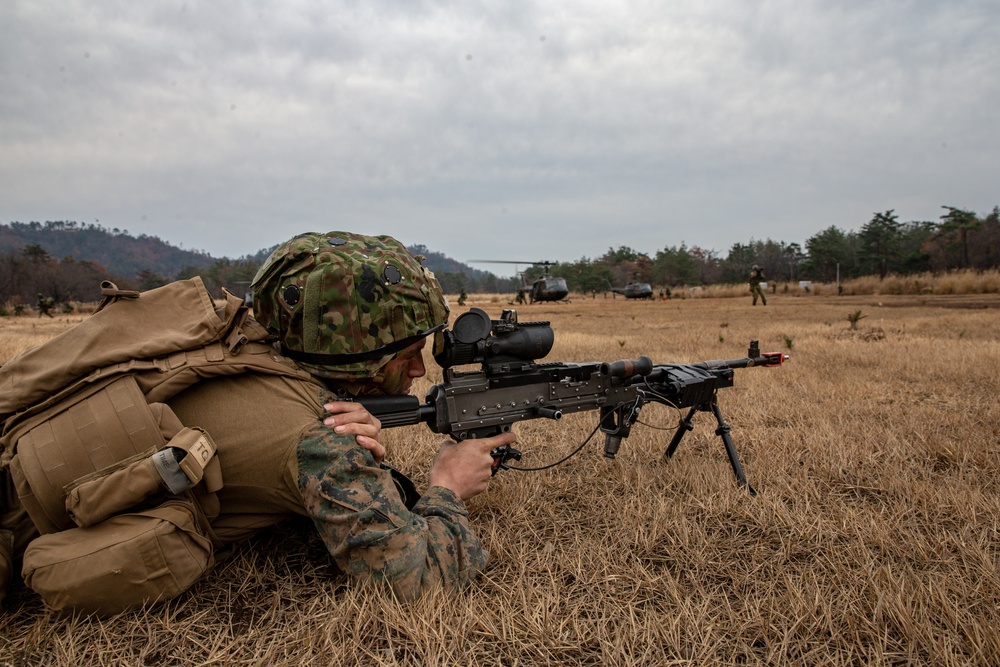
point(342, 304)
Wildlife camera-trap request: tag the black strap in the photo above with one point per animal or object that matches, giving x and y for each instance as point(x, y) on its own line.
point(320, 359)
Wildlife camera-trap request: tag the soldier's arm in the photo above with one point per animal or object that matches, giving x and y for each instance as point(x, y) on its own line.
point(367, 529)
point(350, 417)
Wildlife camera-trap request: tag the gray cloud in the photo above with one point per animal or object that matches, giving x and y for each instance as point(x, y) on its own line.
point(553, 130)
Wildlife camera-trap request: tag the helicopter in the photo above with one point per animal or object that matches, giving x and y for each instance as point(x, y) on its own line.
point(634, 290)
point(546, 288)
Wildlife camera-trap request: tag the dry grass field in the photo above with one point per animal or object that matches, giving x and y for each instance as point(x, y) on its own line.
point(873, 539)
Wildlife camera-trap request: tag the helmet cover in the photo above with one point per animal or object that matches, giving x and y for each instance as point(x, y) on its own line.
point(343, 304)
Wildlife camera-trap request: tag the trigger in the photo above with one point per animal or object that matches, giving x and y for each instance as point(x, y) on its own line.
point(501, 455)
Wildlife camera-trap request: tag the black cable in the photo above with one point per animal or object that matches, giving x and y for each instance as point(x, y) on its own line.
point(660, 398)
point(563, 459)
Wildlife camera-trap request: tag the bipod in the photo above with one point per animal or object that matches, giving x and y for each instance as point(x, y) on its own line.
point(722, 431)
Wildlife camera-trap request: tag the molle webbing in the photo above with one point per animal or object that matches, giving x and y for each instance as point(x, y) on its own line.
point(94, 431)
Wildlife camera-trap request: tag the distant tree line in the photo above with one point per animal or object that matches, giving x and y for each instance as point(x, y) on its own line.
point(960, 239)
point(32, 270)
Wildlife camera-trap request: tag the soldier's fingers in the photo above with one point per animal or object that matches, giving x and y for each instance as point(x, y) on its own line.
point(366, 435)
point(343, 412)
point(373, 446)
point(345, 408)
point(502, 439)
point(355, 428)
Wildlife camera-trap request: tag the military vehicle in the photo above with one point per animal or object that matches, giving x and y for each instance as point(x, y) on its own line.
point(545, 288)
point(634, 290)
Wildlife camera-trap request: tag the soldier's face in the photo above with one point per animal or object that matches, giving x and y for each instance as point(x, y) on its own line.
point(398, 374)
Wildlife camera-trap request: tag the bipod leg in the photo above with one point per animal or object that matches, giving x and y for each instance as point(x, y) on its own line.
point(723, 432)
point(682, 428)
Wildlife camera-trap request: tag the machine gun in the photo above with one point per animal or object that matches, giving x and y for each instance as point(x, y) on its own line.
point(511, 386)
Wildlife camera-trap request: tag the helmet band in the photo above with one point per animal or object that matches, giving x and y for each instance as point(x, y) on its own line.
point(320, 359)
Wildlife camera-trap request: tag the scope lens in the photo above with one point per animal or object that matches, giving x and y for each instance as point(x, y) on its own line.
point(472, 327)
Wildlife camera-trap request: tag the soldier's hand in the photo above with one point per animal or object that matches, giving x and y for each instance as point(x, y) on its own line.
point(347, 417)
point(466, 467)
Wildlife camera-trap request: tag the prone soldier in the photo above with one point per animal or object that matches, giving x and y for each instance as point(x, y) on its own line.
point(349, 315)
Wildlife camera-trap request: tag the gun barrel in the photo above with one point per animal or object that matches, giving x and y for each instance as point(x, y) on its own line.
point(765, 359)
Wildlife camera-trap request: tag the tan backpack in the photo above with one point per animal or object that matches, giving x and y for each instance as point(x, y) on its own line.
point(122, 492)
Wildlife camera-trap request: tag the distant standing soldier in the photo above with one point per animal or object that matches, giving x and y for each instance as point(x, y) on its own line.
point(520, 296)
point(45, 304)
point(462, 297)
point(756, 276)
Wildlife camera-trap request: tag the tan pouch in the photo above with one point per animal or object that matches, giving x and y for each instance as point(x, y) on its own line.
point(101, 495)
point(104, 493)
point(126, 561)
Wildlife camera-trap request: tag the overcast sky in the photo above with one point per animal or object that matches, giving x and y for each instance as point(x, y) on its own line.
point(505, 129)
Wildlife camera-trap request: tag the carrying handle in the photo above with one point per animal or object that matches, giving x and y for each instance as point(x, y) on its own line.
point(110, 293)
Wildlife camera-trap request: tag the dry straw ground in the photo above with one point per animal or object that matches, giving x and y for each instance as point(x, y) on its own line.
point(873, 539)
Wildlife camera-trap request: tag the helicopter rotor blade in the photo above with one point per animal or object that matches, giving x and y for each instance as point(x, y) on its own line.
point(507, 261)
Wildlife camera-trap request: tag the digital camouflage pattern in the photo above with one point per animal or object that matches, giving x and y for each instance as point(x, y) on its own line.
point(344, 297)
point(368, 530)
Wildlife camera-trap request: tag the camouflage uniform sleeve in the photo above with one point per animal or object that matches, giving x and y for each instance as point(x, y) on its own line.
point(367, 529)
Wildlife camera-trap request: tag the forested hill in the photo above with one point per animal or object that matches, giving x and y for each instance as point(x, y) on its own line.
point(118, 253)
point(455, 276)
point(68, 259)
